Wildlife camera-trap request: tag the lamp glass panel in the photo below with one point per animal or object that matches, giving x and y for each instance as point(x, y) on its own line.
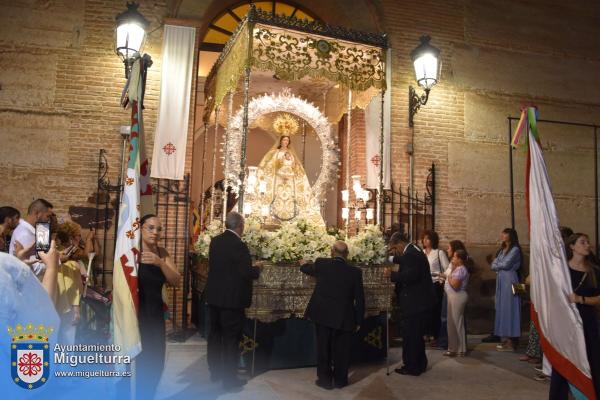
point(129, 36)
point(426, 70)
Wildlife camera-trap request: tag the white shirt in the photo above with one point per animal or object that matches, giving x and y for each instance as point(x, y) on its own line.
point(438, 263)
point(23, 300)
point(24, 233)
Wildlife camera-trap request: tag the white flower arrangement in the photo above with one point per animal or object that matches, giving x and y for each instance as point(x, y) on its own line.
point(256, 238)
point(203, 243)
point(368, 247)
point(298, 240)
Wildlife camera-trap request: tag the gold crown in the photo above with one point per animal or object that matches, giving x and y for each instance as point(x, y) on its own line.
point(38, 333)
point(285, 125)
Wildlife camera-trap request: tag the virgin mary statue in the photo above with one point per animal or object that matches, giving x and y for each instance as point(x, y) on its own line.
point(288, 194)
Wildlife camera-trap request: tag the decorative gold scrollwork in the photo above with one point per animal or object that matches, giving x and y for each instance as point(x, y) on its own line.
point(374, 338)
point(295, 55)
point(247, 344)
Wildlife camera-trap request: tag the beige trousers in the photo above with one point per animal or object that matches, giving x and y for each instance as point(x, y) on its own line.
point(457, 341)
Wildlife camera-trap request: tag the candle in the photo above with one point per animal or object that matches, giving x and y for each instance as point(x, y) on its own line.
point(345, 213)
point(345, 196)
point(365, 195)
point(264, 211)
point(262, 187)
point(356, 185)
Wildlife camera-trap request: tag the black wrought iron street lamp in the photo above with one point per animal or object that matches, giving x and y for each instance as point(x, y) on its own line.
point(130, 33)
point(427, 63)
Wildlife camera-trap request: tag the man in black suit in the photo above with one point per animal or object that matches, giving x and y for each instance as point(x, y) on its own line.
point(228, 294)
point(337, 307)
point(415, 296)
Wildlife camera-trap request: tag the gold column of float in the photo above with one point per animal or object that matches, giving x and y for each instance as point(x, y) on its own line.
point(202, 177)
point(214, 166)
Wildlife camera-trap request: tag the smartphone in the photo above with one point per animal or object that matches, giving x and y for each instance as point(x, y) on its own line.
point(42, 236)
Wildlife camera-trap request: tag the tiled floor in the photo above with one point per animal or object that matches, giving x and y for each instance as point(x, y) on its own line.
point(484, 374)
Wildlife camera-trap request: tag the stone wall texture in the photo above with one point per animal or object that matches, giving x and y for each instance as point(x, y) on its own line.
point(60, 83)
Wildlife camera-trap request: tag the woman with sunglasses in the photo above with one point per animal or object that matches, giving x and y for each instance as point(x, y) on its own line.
point(156, 268)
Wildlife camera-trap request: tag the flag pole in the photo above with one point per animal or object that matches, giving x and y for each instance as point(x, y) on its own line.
point(132, 381)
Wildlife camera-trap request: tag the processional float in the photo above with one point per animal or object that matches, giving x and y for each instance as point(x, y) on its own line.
point(292, 51)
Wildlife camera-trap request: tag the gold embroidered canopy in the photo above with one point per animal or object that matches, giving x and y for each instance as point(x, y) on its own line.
point(293, 49)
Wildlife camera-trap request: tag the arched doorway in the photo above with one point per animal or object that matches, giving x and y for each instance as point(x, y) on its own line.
point(213, 39)
point(222, 26)
point(220, 20)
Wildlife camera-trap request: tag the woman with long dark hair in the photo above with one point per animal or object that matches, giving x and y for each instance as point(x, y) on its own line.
point(438, 263)
point(585, 279)
point(507, 263)
point(156, 269)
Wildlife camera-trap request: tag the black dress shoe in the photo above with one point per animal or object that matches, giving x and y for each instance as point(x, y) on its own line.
point(234, 383)
point(404, 371)
point(340, 385)
point(323, 384)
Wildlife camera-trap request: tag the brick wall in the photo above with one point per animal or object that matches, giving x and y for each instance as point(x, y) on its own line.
point(60, 99)
point(61, 82)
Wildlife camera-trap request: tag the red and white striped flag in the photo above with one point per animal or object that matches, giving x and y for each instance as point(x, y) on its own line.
point(136, 201)
point(557, 320)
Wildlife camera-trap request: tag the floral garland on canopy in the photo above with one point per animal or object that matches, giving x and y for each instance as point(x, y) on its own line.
point(288, 103)
point(299, 240)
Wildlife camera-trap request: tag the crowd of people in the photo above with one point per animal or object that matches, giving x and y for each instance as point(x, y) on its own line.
point(61, 270)
point(18, 238)
point(431, 290)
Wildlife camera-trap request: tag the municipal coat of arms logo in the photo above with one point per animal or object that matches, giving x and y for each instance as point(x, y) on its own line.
point(30, 355)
